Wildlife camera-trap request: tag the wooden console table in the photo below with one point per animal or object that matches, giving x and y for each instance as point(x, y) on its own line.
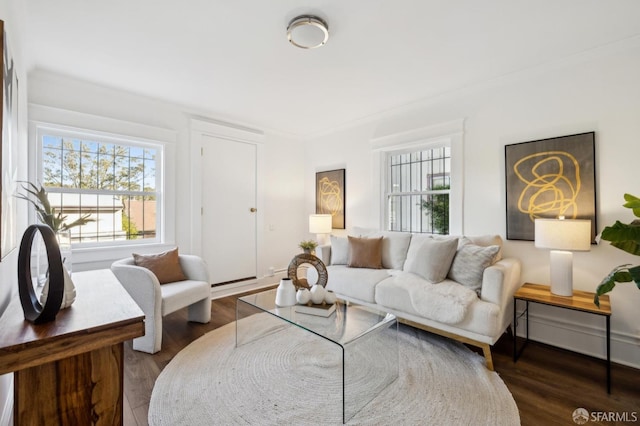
point(580, 301)
point(70, 371)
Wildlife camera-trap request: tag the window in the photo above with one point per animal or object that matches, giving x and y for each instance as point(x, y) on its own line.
point(418, 189)
point(115, 181)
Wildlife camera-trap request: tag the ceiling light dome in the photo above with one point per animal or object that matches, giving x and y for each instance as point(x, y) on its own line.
point(307, 32)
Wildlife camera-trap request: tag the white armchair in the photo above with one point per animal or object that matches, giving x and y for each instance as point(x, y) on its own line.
point(157, 300)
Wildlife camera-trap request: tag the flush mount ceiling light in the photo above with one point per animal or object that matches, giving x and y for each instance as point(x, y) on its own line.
point(307, 32)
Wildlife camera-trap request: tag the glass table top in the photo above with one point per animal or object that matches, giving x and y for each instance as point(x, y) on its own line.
point(343, 326)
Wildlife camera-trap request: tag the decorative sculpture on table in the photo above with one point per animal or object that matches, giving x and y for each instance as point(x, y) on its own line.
point(34, 311)
point(292, 271)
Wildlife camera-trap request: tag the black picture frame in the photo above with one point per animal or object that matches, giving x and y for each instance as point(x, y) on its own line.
point(548, 178)
point(331, 196)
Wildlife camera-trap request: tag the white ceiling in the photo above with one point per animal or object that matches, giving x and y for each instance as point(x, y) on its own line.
point(231, 59)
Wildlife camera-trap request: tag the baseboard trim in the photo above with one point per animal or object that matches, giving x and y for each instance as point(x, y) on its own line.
point(219, 292)
point(582, 338)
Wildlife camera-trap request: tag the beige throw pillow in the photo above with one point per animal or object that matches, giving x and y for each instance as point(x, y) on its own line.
point(433, 259)
point(165, 266)
point(365, 253)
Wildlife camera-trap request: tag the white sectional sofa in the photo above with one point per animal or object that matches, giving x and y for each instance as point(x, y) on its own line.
point(459, 287)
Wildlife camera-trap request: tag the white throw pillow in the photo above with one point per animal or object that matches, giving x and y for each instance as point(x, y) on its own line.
point(339, 250)
point(433, 259)
point(469, 264)
point(394, 248)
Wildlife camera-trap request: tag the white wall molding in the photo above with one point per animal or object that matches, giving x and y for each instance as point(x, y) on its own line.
point(412, 137)
point(580, 337)
point(226, 130)
point(96, 123)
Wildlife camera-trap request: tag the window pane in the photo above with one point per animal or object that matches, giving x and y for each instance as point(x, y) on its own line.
point(419, 173)
point(121, 172)
point(88, 170)
point(51, 142)
point(52, 167)
point(88, 146)
point(149, 178)
point(435, 209)
point(70, 169)
point(99, 182)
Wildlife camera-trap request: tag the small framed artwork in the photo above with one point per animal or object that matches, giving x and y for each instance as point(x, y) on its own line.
point(330, 196)
point(550, 178)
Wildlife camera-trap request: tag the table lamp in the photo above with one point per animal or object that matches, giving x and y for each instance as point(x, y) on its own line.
point(321, 225)
point(562, 236)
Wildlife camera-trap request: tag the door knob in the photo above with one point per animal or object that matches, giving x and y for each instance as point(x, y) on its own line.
point(253, 210)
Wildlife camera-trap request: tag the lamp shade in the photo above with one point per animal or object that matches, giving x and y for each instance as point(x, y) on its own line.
point(320, 223)
point(563, 234)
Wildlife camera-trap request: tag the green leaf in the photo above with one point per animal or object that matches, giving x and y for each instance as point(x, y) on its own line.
point(623, 236)
point(635, 275)
point(632, 203)
point(619, 274)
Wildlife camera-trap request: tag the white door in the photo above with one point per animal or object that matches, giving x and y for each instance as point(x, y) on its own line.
point(229, 209)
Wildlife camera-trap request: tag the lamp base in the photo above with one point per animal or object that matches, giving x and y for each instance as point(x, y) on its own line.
point(561, 268)
point(323, 239)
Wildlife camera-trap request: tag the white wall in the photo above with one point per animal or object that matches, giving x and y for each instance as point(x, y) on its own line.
point(82, 104)
point(600, 92)
point(13, 16)
point(68, 101)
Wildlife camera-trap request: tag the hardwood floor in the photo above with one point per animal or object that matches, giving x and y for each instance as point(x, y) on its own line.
point(547, 383)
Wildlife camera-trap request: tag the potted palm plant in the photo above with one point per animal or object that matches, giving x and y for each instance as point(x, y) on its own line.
point(308, 246)
point(47, 214)
point(625, 237)
point(37, 197)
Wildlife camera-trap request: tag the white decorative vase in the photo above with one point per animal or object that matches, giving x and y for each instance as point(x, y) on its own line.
point(69, 295)
point(317, 294)
point(303, 296)
point(330, 297)
point(64, 242)
point(286, 293)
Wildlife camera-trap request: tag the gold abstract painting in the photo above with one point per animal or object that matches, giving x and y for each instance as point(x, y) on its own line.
point(550, 178)
point(330, 196)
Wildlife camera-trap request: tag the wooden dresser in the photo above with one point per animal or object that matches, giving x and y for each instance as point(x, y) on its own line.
point(70, 371)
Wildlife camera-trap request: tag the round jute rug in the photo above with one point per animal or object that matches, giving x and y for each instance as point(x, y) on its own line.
point(292, 377)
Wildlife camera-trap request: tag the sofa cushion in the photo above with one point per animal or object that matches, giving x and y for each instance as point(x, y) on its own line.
point(165, 266)
point(177, 295)
point(355, 283)
point(481, 317)
point(339, 250)
point(469, 265)
point(365, 252)
point(432, 259)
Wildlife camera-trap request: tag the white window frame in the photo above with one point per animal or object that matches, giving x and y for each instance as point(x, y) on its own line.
point(389, 193)
point(42, 129)
point(450, 134)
